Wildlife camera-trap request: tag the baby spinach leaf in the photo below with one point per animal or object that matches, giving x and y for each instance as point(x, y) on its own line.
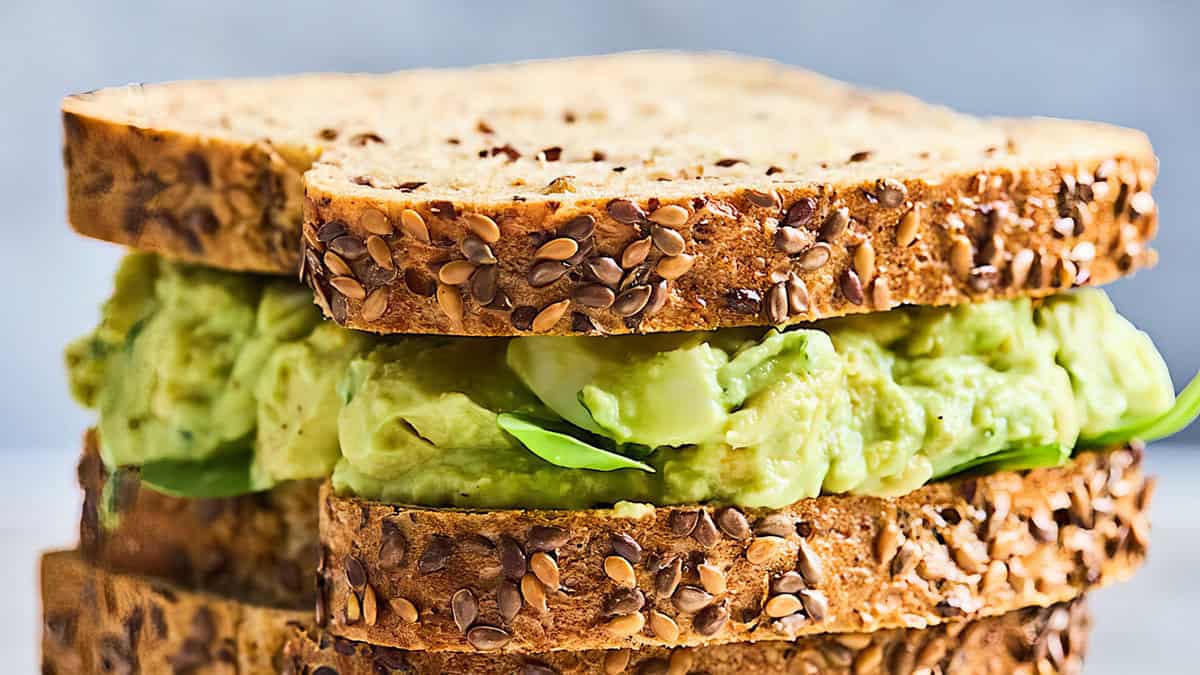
point(223, 476)
point(562, 449)
point(1013, 459)
point(1181, 414)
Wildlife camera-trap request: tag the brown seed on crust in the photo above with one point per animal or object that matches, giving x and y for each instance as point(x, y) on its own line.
point(659, 293)
point(625, 211)
point(711, 619)
point(605, 270)
point(626, 547)
point(353, 610)
point(962, 256)
point(763, 549)
point(864, 261)
point(380, 253)
point(783, 605)
point(414, 225)
point(348, 287)
point(791, 240)
point(890, 192)
point(405, 609)
point(375, 304)
point(682, 523)
point(671, 215)
point(797, 294)
point(631, 301)
point(809, 564)
point(508, 600)
point(814, 257)
point(663, 627)
point(455, 272)
point(1141, 204)
point(624, 601)
point(667, 579)
point(619, 570)
point(593, 295)
point(348, 247)
point(635, 253)
point(484, 227)
point(375, 222)
point(983, 278)
point(674, 267)
point(766, 200)
point(336, 265)
point(578, 228)
point(801, 212)
point(1022, 263)
point(706, 530)
point(851, 286)
point(835, 224)
point(691, 599)
point(476, 251)
point(419, 283)
point(777, 303)
point(512, 557)
point(907, 228)
point(668, 241)
point(330, 231)
point(534, 593)
point(711, 578)
point(626, 626)
point(370, 606)
point(487, 638)
point(557, 249)
point(1067, 273)
point(789, 582)
point(733, 523)
point(464, 608)
point(450, 302)
point(483, 284)
point(545, 568)
point(616, 661)
point(545, 273)
point(356, 572)
point(815, 604)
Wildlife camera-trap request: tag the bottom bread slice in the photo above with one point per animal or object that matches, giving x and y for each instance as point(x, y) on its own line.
point(98, 621)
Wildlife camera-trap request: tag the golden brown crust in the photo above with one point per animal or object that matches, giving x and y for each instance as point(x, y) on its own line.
point(712, 178)
point(1034, 640)
point(730, 259)
point(95, 621)
point(530, 581)
point(261, 548)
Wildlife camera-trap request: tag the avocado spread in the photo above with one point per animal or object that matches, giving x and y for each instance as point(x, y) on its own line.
point(192, 364)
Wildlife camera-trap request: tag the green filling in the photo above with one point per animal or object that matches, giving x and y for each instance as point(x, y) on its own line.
point(192, 367)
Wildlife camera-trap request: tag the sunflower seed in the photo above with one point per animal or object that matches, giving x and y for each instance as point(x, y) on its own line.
point(777, 303)
point(663, 627)
point(508, 600)
point(455, 272)
point(626, 547)
point(691, 599)
point(908, 227)
point(336, 265)
point(405, 609)
point(487, 638)
point(375, 304)
point(682, 523)
point(668, 241)
point(619, 570)
point(635, 253)
point(483, 284)
point(626, 626)
point(658, 298)
point(485, 228)
point(815, 604)
point(766, 199)
point(464, 608)
point(557, 249)
point(380, 253)
point(782, 605)
point(789, 582)
point(835, 224)
point(512, 558)
point(809, 564)
point(814, 257)
point(667, 579)
point(450, 302)
point(370, 606)
point(864, 261)
point(616, 661)
point(801, 212)
point(414, 225)
point(625, 211)
point(624, 601)
point(534, 593)
point(797, 294)
point(962, 256)
point(705, 531)
point(593, 295)
point(349, 287)
point(671, 215)
point(605, 270)
point(733, 523)
point(711, 619)
point(631, 301)
point(890, 192)
point(476, 251)
point(711, 578)
point(578, 228)
point(375, 222)
point(763, 549)
point(674, 267)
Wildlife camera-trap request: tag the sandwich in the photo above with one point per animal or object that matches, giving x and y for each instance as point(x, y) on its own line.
point(648, 362)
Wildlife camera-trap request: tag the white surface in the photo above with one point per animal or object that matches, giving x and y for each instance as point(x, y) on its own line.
point(1145, 626)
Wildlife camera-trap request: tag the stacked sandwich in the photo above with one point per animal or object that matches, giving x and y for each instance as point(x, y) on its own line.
point(647, 363)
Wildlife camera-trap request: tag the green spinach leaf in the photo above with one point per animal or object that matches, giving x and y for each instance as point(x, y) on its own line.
point(1182, 413)
point(1014, 459)
point(224, 476)
point(562, 449)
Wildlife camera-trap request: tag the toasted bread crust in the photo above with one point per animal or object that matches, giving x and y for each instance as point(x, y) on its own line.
point(96, 621)
point(869, 199)
point(261, 548)
point(531, 581)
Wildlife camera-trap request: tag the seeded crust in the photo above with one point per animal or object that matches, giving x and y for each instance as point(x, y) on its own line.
point(699, 191)
point(1034, 640)
point(532, 581)
point(95, 621)
point(261, 548)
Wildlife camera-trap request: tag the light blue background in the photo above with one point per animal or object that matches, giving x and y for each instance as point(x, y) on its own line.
point(1132, 63)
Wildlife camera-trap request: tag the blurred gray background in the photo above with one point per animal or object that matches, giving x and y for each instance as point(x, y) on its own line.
point(1131, 63)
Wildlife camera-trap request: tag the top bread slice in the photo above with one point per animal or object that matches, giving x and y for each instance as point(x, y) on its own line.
point(635, 192)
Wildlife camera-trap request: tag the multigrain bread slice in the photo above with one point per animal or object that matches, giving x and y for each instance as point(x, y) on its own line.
point(532, 581)
point(96, 621)
point(262, 548)
point(634, 192)
point(1034, 640)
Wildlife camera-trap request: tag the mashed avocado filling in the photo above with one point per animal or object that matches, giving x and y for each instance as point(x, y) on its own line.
point(199, 375)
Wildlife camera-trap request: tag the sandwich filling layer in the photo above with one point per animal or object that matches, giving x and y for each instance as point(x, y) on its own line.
point(213, 383)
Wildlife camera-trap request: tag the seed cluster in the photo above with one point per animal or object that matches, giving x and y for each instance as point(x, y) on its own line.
point(695, 574)
point(608, 268)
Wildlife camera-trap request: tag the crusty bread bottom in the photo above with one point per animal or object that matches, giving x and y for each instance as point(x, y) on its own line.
point(104, 622)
